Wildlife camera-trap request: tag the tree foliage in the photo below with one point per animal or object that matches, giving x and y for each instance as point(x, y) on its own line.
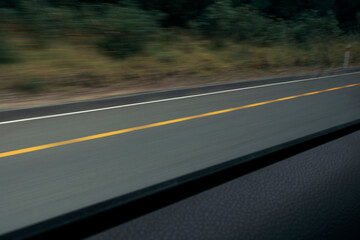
point(6, 55)
point(124, 27)
point(43, 18)
point(311, 26)
point(223, 20)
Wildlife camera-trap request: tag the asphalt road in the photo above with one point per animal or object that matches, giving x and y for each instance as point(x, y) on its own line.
point(42, 182)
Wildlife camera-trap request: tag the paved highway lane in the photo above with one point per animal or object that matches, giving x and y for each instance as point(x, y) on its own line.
point(49, 180)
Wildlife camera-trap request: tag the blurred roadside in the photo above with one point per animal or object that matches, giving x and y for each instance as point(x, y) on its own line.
point(16, 100)
point(59, 51)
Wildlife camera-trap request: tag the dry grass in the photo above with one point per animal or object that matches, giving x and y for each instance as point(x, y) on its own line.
point(66, 64)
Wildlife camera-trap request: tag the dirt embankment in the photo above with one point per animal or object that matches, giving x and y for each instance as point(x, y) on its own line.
point(17, 99)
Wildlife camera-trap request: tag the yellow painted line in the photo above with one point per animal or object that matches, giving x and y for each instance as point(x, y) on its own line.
point(108, 134)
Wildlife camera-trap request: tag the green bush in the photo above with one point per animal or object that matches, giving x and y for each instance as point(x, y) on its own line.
point(311, 27)
point(119, 30)
point(6, 54)
point(223, 21)
point(8, 15)
point(126, 29)
point(250, 25)
point(43, 18)
point(217, 20)
point(30, 86)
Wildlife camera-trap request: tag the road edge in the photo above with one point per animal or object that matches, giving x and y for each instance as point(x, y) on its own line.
point(17, 113)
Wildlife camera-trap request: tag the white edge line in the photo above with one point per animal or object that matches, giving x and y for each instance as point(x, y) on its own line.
point(170, 99)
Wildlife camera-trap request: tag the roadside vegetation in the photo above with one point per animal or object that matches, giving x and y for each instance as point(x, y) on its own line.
point(50, 45)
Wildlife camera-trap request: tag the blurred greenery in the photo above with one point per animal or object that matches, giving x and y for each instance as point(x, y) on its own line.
point(309, 26)
point(6, 55)
point(91, 43)
point(126, 30)
point(223, 21)
point(124, 27)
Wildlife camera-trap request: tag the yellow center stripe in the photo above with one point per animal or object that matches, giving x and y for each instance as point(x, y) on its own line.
point(108, 134)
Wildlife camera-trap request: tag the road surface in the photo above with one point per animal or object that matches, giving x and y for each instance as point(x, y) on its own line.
point(53, 165)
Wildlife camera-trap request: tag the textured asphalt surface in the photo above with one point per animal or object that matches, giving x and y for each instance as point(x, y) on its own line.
point(42, 184)
point(312, 195)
